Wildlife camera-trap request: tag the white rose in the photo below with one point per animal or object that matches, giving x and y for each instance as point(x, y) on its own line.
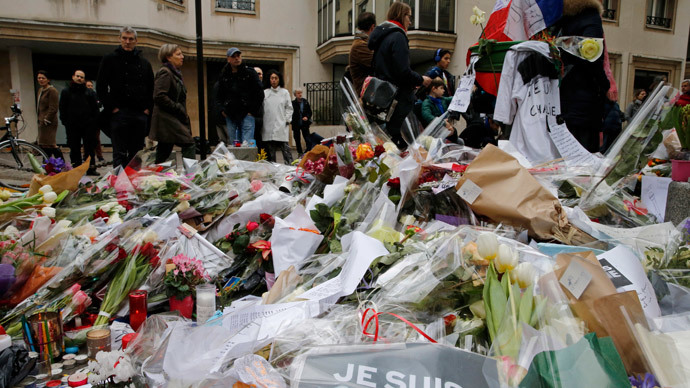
point(5, 194)
point(390, 147)
point(86, 230)
point(114, 219)
point(48, 211)
point(49, 197)
point(11, 231)
point(45, 189)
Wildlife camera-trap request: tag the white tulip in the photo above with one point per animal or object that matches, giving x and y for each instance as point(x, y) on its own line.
point(45, 189)
point(487, 245)
point(48, 211)
point(507, 258)
point(478, 310)
point(49, 197)
point(523, 275)
point(108, 206)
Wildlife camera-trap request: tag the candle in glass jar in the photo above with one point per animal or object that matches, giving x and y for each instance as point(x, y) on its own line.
point(205, 302)
point(137, 308)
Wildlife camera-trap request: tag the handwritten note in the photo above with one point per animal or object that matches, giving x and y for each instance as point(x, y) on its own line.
point(570, 149)
point(469, 191)
point(629, 266)
point(463, 94)
point(576, 279)
point(654, 195)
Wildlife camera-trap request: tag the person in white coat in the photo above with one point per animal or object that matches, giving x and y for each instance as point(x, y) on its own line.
point(277, 117)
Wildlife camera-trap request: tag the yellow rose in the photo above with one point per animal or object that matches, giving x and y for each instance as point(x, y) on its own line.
point(590, 49)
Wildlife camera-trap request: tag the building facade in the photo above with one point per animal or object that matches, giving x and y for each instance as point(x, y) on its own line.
point(307, 40)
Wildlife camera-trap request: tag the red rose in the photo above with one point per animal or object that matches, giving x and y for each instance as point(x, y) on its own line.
point(101, 214)
point(149, 251)
point(251, 226)
point(267, 219)
point(378, 150)
point(394, 183)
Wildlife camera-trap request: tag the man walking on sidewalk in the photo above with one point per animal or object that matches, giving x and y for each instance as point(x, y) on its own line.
point(78, 113)
point(125, 88)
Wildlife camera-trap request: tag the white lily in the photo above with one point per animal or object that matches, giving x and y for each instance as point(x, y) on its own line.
point(507, 258)
point(45, 189)
point(48, 211)
point(487, 245)
point(49, 197)
point(523, 275)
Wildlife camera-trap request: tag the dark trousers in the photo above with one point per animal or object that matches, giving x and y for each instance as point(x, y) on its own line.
point(587, 133)
point(273, 146)
point(304, 130)
point(163, 151)
point(395, 124)
point(75, 135)
point(127, 131)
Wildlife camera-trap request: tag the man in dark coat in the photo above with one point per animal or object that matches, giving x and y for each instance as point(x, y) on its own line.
point(79, 114)
point(125, 88)
point(301, 120)
point(360, 55)
point(239, 97)
point(391, 63)
point(584, 86)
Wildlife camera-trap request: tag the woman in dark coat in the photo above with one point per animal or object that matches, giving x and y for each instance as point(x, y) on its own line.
point(170, 122)
point(47, 111)
point(584, 86)
point(391, 63)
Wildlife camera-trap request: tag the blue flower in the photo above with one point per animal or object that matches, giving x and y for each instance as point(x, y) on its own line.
point(649, 381)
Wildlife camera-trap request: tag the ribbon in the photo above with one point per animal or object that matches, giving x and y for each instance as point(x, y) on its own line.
point(636, 206)
point(105, 314)
point(375, 317)
point(298, 175)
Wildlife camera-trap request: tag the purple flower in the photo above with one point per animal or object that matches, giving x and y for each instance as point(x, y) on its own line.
point(649, 381)
point(54, 165)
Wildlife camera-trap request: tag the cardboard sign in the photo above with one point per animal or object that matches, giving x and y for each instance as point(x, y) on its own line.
point(403, 365)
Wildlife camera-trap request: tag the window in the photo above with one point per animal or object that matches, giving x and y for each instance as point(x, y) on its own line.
point(178, 2)
point(660, 13)
point(236, 5)
point(343, 17)
point(610, 10)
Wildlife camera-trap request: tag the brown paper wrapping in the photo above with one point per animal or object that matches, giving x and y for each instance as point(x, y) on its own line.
point(68, 180)
point(511, 195)
point(317, 152)
point(600, 307)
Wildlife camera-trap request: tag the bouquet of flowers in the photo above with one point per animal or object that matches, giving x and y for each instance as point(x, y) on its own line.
point(54, 166)
point(111, 369)
point(183, 274)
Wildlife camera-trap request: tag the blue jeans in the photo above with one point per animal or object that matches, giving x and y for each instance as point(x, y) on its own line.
point(241, 130)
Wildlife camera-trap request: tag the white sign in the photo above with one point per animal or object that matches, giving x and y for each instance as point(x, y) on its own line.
point(570, 149)
point(654, 193)
point(463, 94)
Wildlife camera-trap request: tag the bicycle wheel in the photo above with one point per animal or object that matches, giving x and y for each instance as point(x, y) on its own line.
point(15, 165)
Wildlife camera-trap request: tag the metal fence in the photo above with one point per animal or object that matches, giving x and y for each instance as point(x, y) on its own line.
point(325, 99)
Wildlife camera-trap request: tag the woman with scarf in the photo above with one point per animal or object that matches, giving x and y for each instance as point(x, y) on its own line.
point(47, 111)
point(391, 63)
point(170, 122)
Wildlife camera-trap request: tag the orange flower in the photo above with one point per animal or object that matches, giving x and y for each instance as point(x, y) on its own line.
point(364, 151)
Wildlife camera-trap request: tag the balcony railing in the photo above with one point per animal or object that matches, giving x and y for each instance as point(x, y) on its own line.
point(178, 2)
point(236, 5)
point(658, 21)
point(609, 14)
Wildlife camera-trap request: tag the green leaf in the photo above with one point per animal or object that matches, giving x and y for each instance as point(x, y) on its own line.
point(525, 310)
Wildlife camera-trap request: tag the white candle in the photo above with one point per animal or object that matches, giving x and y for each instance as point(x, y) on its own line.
point(205, 302)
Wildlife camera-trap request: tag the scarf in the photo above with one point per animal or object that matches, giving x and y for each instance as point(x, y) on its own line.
point(438, 102)
point(398, 24)
point(174, 70)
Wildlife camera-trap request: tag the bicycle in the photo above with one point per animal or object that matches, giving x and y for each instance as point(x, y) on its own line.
point(14, 153)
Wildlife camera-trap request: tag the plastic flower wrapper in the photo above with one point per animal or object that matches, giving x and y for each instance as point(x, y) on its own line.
point(293, 239)
point(628, 153)
point(274, 202)
point(206, 206)
point(355, 117)
point(349, 214)
point(344, 156)
point(135, 261)
point(589, 49)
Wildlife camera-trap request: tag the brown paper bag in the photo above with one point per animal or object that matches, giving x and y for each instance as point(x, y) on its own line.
point(68, 180)
point(608, 311)
point(511, 195)
point(599, 286)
